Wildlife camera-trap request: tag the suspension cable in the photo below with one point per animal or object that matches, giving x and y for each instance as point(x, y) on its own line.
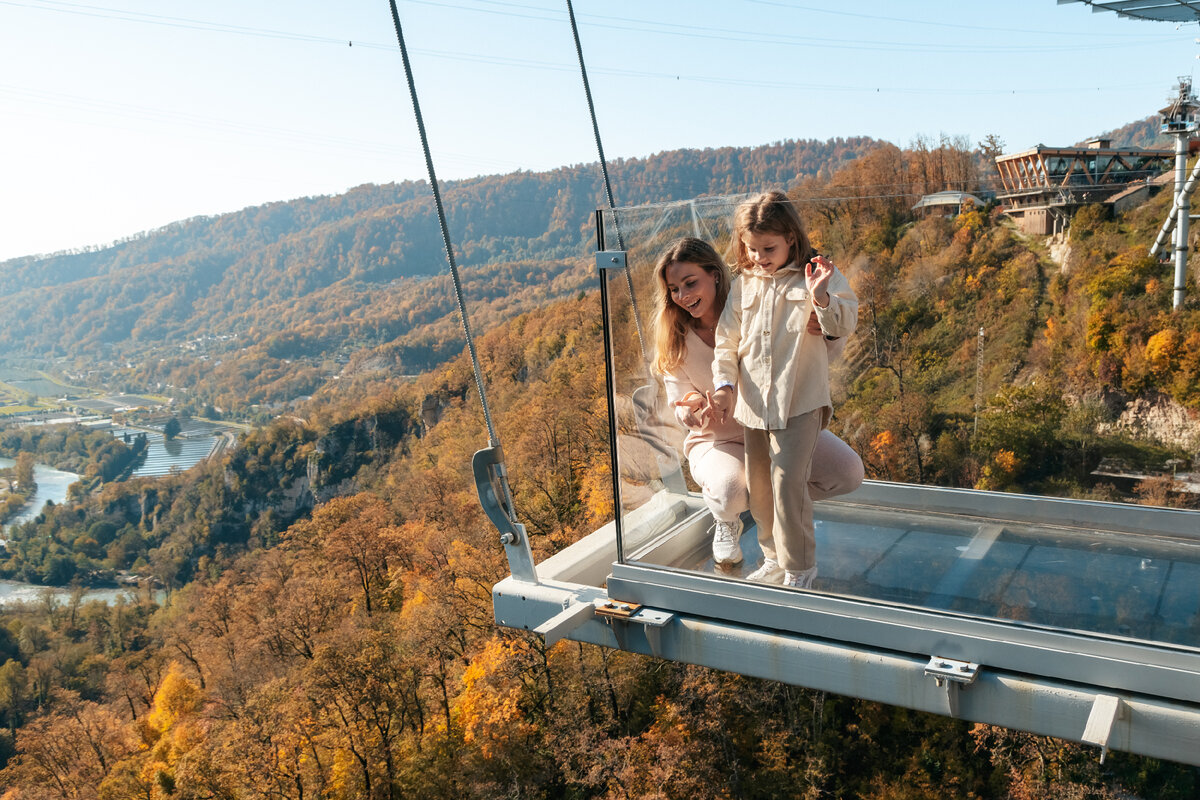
point(608, 193)
point(493, 439)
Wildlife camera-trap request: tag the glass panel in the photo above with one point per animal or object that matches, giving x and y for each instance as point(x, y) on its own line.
point(1063, 575)
point(655, 489)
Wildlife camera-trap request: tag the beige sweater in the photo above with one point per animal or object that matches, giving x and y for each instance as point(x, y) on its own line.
point(695, 375)
point(763, 351)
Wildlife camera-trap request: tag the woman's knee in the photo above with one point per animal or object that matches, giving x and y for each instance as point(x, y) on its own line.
point(836, 470)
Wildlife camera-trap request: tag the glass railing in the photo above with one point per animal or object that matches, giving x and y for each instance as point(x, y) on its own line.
point(654, 491)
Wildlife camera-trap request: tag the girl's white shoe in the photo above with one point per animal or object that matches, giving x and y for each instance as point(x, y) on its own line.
point(801, 580)
point(769, 572)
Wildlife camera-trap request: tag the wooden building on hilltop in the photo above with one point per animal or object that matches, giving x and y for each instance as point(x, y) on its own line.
point(1044, 185)
point(948, 203)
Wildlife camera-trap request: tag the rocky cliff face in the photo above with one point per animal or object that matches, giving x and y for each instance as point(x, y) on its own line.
point(1161, 419)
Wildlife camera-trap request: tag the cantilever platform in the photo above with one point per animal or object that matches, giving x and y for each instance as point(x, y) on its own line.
point(1068, 618)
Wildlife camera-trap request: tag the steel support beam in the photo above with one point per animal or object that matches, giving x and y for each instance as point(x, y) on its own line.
point(1115, 721)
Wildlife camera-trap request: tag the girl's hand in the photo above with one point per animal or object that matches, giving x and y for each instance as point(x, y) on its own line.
point(814, 325)
point(720, 403)
point(817, 273)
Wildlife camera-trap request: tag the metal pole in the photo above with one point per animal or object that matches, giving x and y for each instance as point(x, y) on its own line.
point(1182, 219)
point(1181, 197)
point(610, 386)
point(978, 381)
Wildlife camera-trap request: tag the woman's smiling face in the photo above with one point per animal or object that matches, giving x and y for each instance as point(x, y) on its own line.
point(692, 288)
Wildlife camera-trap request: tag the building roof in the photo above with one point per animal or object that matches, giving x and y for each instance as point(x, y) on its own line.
point(947, 199)
point(1085, 151)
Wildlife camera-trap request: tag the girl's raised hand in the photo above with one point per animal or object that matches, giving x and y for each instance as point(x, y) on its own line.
point(817, 273)
point(720, 403)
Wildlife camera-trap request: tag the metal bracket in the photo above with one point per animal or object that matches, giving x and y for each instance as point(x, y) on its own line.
point(952, 675)
point(633, 612)
point(561, 624)
point(610, 259)
point(1106, 710)
point(618, 615)
point(492, 485)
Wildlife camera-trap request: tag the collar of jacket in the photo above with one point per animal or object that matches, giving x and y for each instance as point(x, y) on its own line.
point(758, 273)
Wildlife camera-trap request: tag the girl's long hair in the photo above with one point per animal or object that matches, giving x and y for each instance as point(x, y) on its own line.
point(773, 213)
point(671, 322)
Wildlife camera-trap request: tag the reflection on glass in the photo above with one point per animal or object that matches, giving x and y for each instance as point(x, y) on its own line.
point(656, 493)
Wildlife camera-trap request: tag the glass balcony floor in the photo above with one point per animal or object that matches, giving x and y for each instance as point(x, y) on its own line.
point(1127, 585)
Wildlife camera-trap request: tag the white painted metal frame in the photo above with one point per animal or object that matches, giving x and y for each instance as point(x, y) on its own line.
point(1163, 670)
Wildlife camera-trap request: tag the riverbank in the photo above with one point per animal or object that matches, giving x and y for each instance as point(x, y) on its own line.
point(13, 497)
point(52, 486)
point(18, 592)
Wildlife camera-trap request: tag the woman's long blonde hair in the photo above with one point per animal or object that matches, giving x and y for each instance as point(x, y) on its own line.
point(671, 322)
point(770, 212)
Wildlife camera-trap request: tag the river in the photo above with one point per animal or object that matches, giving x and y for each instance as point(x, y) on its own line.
point(13, 592)
point(51, 485)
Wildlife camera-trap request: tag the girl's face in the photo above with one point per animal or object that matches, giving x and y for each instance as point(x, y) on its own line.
point(692, 288)
point(768, 251)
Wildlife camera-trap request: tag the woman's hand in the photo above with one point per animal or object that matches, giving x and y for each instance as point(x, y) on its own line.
point(817, 273)
point(692, 410)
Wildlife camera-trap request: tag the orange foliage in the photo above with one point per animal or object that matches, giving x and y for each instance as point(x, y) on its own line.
point(488, 707)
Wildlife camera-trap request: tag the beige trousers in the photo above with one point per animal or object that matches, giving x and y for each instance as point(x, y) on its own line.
point(778, 470)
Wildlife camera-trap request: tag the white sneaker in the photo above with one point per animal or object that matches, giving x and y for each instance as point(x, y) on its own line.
point(725, 546)
point(769, 572)
point(801, 580)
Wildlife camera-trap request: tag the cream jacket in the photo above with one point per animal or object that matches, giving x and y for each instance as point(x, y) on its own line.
point(778, 369)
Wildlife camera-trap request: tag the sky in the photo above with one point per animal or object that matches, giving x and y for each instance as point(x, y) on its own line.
point(126, 115)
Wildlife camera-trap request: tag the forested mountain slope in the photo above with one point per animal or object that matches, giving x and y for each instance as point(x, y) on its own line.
point(1144, 133)
point(269, 303)
point(193, 273)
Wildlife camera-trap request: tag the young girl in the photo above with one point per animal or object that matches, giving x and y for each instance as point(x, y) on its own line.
point(693, 283)
point(781, 374)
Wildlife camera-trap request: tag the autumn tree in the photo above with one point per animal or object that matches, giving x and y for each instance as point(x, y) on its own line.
point(13, 682)
point(23, 471)
point(70, 751)
point(357, 533)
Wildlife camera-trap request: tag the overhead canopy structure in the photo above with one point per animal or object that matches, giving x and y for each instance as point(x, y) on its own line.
point(1067, 618)
point(1043, 169)
point(1157, 10)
